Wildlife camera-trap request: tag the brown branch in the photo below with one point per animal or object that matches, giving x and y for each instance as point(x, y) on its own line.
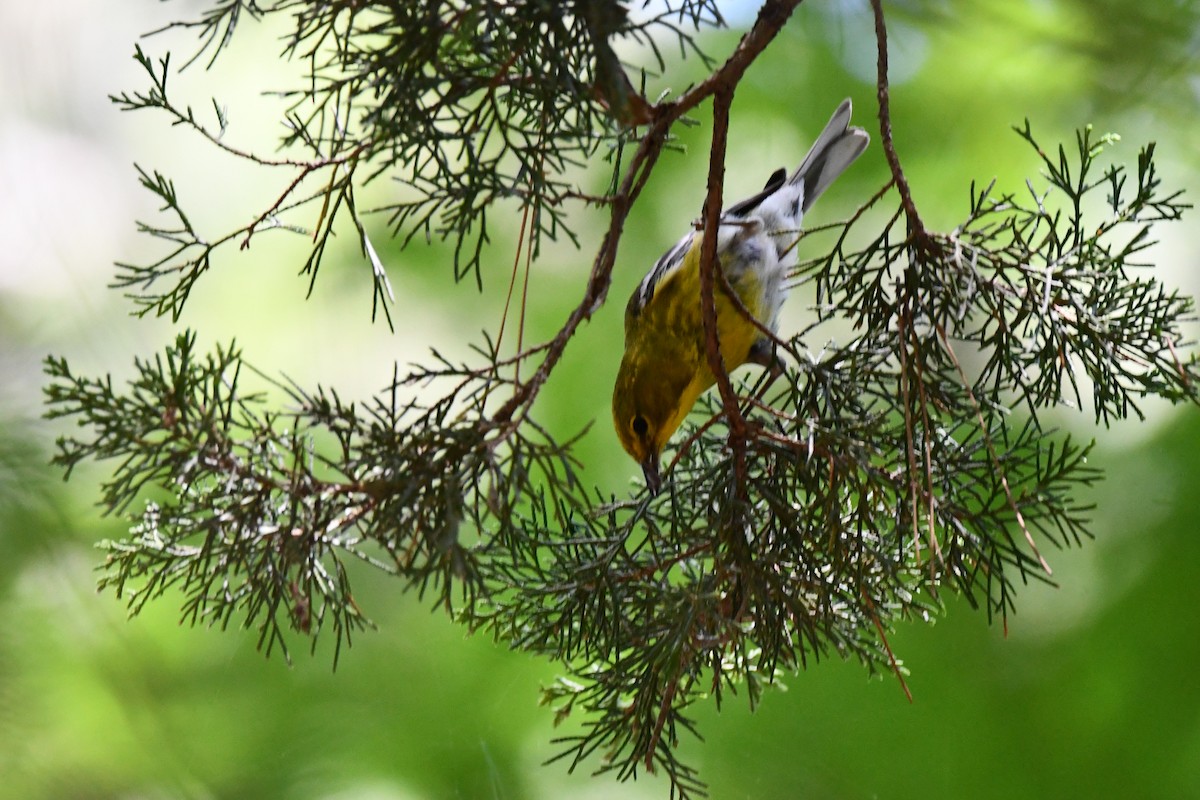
point(922, 242)
point(915, 225)
point(305, 171)
point(512, 283)
point(709, 264)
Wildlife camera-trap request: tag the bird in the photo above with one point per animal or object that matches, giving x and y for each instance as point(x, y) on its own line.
point(664, 368)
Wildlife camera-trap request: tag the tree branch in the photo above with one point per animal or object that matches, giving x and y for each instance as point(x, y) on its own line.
point(915, 225)
point(709, 264)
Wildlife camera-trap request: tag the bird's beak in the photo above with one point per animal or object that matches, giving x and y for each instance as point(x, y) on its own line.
point(650, 470)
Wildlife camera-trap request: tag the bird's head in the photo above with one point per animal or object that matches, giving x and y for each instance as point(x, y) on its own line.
point(651, 397)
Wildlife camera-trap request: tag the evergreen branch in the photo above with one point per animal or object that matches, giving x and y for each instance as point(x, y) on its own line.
point(192, 254)
point(804, 517)
point(915, 225)
point(469, 105)
point(216, 26)
point(732, 576)
point(251, 519)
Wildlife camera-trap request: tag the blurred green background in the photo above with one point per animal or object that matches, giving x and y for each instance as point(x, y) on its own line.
point(1094, 692)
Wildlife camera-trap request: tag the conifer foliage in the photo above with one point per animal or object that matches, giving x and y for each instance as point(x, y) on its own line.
point(802, 517)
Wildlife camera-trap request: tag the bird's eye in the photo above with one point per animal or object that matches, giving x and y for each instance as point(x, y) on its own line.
point(639, 425)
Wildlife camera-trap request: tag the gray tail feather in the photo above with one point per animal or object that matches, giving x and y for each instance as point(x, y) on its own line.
point(835, 149)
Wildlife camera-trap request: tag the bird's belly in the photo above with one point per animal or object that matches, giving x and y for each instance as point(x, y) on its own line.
point(737, 334)
point(752, 270)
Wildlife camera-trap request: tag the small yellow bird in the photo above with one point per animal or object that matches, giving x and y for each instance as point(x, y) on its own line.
point(665, 366)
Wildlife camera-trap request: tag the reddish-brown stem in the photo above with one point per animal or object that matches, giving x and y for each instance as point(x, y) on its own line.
point(664, 711)
point(512, 281)
point(709, 264)
point(915, 225)
point(887, 648)
point(306, 169)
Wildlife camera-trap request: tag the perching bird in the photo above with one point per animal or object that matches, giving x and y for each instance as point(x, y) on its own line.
point(665, 366)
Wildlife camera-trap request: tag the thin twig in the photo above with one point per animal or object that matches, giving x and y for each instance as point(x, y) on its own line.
point(915, 225)
point(887, 648)
point(305, 171)
point(512, 281)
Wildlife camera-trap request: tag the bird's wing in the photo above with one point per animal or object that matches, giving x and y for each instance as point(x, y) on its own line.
point(673, 259)
point(744, 207)
point(662, 270)
point(835, 149)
